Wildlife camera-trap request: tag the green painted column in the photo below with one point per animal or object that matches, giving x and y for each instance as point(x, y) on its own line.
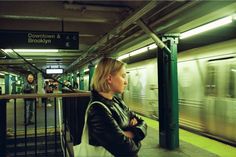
point(81, 79)
point(168, 94)
point(13, 84)
point(91, 71)
point(71, 79)
point(75, 85)
point(60, 85)
point(7, 83)
point(19, 87)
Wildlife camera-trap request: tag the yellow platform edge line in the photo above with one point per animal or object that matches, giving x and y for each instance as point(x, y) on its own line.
point(216, 147)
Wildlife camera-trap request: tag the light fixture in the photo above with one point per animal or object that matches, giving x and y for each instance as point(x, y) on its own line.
point(86, 70)
point(139, 51)
point(54, 71)
point(206, 27)
point(30, 50)
point(234, 16)
point(2, 74)
point(152, 46)
point(7, 50)
point(36, 50)
point(233, 70)
point(123, 56)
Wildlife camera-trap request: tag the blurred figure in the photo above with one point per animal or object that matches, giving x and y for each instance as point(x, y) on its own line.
point(29, 88)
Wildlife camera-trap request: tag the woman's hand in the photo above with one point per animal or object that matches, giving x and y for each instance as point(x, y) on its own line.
point(129, 134)
point(133, 122)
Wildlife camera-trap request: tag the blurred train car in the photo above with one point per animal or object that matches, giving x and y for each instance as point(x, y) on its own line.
point(206, 88)
point(206, 85)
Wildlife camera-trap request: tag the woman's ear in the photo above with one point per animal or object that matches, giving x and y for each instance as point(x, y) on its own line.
point(109, 78)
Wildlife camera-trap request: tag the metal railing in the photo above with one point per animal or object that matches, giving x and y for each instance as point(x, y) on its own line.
point(66, 120)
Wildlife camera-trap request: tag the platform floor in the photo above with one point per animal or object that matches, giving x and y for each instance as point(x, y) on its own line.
point(191, 145)
point(20, 115)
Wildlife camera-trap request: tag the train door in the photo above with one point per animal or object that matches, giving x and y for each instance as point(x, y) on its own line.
point(216, 103)
point(230, 98)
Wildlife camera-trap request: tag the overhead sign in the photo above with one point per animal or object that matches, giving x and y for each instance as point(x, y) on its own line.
point(38, 40)
point(54, 71)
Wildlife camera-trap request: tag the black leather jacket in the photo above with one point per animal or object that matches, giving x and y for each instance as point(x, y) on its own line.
point(106, 129)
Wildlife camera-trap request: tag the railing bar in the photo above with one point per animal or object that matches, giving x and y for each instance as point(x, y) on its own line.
point(46, 143)
point(55, 122)
point(35, 127)
point(15, 127)
point(25, 123)
point(64, 135)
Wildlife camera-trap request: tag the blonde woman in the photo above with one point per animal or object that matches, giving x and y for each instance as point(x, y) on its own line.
point(118, 130)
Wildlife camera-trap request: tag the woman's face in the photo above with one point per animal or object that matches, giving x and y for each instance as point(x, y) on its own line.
point(118, 81)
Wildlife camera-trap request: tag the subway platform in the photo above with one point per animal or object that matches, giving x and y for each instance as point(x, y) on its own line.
point(191, 145)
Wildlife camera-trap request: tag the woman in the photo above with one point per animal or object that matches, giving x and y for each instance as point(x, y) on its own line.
point(119, 131)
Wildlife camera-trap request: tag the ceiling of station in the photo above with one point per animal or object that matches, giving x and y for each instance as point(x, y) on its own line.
point(104, 27)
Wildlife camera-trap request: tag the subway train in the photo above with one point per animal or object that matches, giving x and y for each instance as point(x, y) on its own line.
point(206, 89)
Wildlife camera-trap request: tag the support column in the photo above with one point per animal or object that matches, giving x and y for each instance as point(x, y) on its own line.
point(40, 83)
point(3, 127)
point(13, 84)
point(60, 85)
point(7, 83)
point(81, 79)
point(167, 88)
point(75, 84)
point(91, 71)
point(168, 95)
point(3, 119)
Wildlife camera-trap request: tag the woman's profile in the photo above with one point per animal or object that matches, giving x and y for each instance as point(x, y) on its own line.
point(120, 130)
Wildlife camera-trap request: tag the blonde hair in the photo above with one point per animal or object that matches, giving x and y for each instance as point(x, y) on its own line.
point(105, 67)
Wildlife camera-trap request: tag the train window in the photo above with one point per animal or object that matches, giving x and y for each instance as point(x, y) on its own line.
point(232, 81)
point(211, 88)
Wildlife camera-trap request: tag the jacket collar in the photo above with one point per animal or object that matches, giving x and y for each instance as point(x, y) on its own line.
point(95, 96)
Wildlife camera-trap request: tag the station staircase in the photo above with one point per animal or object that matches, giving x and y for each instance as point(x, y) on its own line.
point(41, 149)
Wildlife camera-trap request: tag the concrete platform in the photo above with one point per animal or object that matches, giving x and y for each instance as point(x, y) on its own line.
point(150, 148)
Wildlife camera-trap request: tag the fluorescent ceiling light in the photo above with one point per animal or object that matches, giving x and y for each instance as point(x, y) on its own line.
point(36, 50)
point(233, 70)
point(206, 27)
point(86, 70)
point(234, 16)
point(2, 74)
point(30, 50)
point(123, 57)
point(139, 51)
point(153, 46)
point(7, 50)
point(54, 71)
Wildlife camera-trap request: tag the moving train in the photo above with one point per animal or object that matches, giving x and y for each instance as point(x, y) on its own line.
point(206, 89)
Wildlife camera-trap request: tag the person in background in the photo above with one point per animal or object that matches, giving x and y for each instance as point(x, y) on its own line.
point(29, 88)
point(120, 131)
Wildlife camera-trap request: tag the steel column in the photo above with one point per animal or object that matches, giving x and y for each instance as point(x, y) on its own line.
point(168, 95)
point(81, 79)
point(3, 127)
point(91, 71)
point(167, 88)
